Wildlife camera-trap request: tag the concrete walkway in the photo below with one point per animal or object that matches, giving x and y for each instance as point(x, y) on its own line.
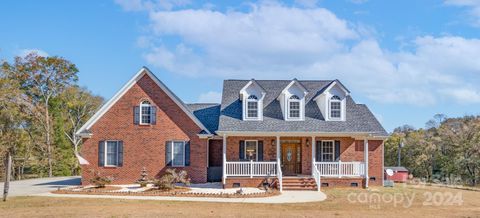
point(285, 197)
point(41, 185)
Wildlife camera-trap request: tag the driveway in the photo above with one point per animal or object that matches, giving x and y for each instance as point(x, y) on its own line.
point(38, 186)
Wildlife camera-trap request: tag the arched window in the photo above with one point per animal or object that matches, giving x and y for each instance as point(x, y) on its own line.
point(145, 112)
point(294, 107)
point(335, 107)
point(252, 106)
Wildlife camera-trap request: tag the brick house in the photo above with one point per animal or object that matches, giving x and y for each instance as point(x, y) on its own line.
point(301, 134)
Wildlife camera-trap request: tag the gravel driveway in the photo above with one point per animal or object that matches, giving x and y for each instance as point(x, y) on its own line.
point(38, 186)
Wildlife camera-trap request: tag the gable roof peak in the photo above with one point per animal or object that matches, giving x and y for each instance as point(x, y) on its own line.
point(143, 71)
point(251, 82)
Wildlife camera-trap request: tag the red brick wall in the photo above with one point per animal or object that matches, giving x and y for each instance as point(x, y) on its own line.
point(255, 182)
point(269, 151)
point(144, 146)
point(343, 182)
point(215, 158)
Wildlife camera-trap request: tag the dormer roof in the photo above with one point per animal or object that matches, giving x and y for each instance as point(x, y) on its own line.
point(359, 119)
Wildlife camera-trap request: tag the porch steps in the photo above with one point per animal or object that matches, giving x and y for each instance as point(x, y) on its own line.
point(299, 183)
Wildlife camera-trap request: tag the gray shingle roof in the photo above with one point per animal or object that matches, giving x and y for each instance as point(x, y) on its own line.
point(358, 116)
point(207, 113)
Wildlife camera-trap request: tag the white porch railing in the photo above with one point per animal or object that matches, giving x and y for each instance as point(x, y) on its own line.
point(316, 176)
point(339, 169)
point(280, 180)
point(250, 168)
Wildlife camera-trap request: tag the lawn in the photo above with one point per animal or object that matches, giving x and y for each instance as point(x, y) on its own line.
point(425, 202)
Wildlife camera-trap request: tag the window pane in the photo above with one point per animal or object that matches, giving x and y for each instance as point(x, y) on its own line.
point(327, 151)
point(146, 114)
point(335, 109)
point(111, 151)
point(294, 109)
point(252, 109)
point(251, 150)
point(178, 153)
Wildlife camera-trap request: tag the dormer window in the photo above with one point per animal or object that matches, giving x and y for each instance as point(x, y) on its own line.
point(335, 107)
point(294, 107)
point(145, 112)
point(252, 107)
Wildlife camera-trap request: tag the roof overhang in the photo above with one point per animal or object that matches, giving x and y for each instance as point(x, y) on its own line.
point(143, 71)
point(356, 135)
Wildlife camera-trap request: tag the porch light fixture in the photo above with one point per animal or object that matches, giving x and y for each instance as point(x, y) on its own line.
point(273, 142)
point(308, 143)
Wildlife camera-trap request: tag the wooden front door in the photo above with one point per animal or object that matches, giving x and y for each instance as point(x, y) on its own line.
point(289, 159)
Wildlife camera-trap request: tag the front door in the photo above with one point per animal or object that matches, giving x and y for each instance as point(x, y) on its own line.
point(289, 159)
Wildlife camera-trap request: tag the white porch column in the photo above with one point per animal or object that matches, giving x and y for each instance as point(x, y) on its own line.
point(224, 159)
point(314, 145)
point(279, 167)
point(365, 152)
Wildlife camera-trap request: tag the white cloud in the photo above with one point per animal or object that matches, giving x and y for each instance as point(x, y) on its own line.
point(39, 52)
point(464, 95)
point(473, 5)
point(210, 97)
point(277, 41)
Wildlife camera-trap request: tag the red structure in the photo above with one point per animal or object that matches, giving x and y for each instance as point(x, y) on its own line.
point(400, 174)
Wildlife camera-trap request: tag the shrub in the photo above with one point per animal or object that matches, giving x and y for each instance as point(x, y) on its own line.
point(168, 181)
point(101, 181)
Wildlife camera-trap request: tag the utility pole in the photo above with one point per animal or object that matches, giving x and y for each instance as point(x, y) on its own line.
point(8, 172)
point(400, 146)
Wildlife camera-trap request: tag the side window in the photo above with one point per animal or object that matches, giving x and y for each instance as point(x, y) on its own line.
point(110, 153)
point(177, 153)
point(145, 113)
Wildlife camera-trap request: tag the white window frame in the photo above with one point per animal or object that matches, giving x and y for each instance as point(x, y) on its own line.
point(330, 108)
point(105, 149)
point(246, 108)
point(245, 149)
point(300, 108)
point(142, 104)
point(173, 155)
point(333, 150)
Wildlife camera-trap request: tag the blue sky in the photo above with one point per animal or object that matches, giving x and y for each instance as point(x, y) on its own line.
point(407, 60)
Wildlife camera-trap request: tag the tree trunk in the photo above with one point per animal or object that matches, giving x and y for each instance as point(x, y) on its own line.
point(6, 185)
point(47, 139)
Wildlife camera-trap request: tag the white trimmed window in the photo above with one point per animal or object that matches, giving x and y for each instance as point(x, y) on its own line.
point(251, 148)
point(252, 107)
point(327, 151)
point(178, 153)
point(294, 110)
point(145, 112)
point(111, 153)
point(335, 107)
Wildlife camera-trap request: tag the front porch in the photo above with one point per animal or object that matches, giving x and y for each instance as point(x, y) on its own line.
point(248, 161)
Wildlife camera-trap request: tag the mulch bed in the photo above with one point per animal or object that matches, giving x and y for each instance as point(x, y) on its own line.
point(178, 192)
